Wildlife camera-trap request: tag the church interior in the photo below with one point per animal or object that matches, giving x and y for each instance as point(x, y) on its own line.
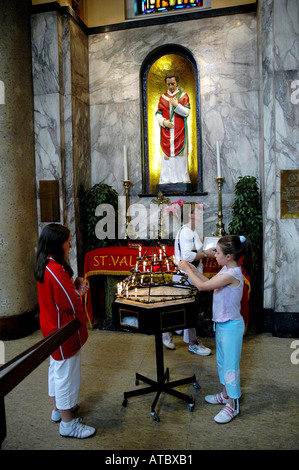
point(80, 82)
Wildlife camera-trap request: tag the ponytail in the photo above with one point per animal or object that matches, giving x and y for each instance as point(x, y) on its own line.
point(240, 247)
point(248, 262)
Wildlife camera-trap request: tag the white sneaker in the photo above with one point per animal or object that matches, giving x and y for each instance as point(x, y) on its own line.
point(167, 341)
point(75, 428)
point(217, 399)
point(226, 414)
point(199, 349)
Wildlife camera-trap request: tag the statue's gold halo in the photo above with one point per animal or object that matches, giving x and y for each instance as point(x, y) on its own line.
point(156, 86)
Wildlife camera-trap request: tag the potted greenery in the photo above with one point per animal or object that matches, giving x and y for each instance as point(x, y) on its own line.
point(248, 220)
point(90, 199)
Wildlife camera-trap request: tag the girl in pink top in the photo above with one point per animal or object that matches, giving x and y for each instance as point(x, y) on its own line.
point(228, 291)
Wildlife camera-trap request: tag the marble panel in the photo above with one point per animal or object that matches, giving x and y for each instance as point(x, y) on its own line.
point(18, 225)
point(47, 133)
point(233, 121)
point(45, 53)
point(287, 157)
point(79, 62)
point(226, 53)
point(286, 37)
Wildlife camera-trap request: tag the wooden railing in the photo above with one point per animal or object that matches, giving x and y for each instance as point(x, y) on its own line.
point(14, 371)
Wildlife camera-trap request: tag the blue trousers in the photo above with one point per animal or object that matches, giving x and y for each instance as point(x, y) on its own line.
point(229, 338)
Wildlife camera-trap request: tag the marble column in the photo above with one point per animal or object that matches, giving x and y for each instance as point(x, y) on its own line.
point(18, 222)
point(61, 114)
point(278, 24)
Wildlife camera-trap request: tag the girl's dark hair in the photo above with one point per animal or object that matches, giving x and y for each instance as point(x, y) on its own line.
point(50, 243)
point(238, 247)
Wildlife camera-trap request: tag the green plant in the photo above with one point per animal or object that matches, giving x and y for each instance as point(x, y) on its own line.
point(90, 199)
point(247, 216)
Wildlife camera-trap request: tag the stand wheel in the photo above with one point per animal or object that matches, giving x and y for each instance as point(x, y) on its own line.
point(155, 417)
point(125, 401)
point(196, 385)
point(190, 406)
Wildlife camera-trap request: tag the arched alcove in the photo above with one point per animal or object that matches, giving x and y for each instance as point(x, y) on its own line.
point(178, 59)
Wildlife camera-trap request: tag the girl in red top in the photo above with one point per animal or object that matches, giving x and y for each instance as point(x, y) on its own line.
point(60, 300)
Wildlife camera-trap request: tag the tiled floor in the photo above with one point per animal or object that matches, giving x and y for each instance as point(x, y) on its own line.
point(269, 417)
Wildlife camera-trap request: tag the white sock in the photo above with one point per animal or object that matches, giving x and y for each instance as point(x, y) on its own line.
point(66, 423)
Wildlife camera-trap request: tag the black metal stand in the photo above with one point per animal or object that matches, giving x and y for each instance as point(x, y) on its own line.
point(160, 385)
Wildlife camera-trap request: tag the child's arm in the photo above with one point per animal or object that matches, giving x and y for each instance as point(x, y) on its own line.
point(201, 282)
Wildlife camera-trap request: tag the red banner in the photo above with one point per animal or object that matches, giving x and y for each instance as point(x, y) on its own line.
point(115, 260)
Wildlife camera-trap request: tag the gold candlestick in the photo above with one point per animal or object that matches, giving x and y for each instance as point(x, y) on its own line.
point(127, 184)
point(219, 226)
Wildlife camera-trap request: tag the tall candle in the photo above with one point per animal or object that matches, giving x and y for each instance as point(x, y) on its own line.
point(126, 175)
point(218, 161)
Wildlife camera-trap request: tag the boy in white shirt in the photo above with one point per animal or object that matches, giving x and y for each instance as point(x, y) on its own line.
point(188, 247)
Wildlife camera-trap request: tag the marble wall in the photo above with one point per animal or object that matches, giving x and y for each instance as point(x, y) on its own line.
point(61, 115)
point(247, 63)
point(278, 28)
point(225, 49)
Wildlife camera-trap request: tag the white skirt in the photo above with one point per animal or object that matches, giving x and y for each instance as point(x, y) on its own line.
point(64, 379)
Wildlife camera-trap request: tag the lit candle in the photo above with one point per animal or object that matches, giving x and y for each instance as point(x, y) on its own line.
point(135, 293)
point(144, 264)
point(142, 279)
point(136, 267)
point(167, 264)
point(160, 257)
point(139, 251)
point(218, 160)
point(126, 175)
point(127, 292)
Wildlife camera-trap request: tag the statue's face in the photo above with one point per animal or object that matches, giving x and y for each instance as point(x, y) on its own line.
point(171, 84)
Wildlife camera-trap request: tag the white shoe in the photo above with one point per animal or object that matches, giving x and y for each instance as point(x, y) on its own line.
point(75, 428)
point(226, 414)
point(199, 349)
point(217, 399)
point(167, 341)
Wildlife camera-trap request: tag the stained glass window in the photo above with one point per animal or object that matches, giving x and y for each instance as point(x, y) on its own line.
point(156, 6)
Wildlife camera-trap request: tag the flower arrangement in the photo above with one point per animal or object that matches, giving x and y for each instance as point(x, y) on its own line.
point(175, 206)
